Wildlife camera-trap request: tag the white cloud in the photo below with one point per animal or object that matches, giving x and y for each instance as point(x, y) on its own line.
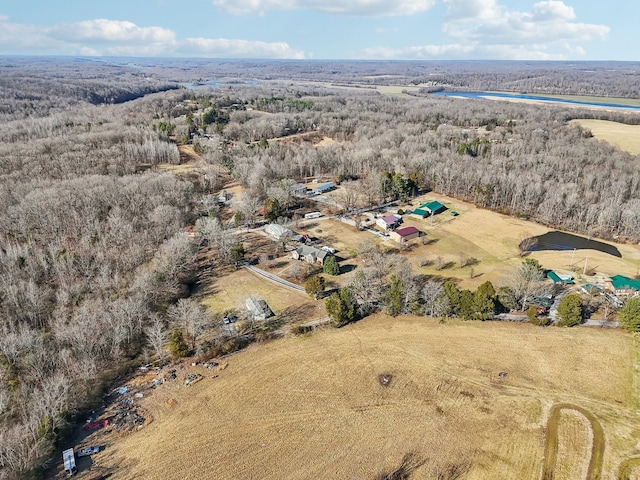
point(238, 48)
point(121, 38)
point(489, 23)
point(485, 29)
point(375, 8)
point(111, 31)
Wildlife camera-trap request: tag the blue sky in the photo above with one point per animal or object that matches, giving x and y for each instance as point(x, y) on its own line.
point(325, 29)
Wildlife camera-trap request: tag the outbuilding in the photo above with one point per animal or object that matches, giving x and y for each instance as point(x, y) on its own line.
point(427, 209)
point(325, 187)
point(258, 309)
point(405, 234)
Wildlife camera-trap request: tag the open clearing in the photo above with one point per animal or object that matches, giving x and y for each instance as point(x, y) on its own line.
point(231, 291)
point(625, 137)
point(314, 407)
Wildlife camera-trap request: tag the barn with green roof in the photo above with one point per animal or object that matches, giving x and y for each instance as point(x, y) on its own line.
point(430, 208)
point(623, 285)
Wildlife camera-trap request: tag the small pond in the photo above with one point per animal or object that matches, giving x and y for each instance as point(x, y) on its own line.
point(565, 241)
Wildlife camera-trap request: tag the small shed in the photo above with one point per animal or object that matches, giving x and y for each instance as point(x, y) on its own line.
point(405, 234)
point(258, 309)
point(390, 222)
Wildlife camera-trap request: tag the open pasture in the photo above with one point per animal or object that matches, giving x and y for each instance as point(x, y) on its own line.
point(625, 137)
point(353, 402)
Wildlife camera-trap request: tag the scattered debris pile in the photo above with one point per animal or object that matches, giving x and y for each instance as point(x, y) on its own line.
point(385, 379)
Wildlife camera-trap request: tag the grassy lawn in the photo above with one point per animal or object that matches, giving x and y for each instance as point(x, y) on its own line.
point(625, 137)
point(313, 407)
point(231, 291)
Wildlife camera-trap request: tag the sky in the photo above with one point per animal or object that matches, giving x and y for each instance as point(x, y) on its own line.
point(325, 29)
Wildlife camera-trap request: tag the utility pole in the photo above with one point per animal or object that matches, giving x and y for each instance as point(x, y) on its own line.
point(584, 271)
point(573, 255)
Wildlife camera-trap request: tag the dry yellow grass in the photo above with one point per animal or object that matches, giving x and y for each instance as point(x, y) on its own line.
point(231, 291)
point(493, 239)
point(574, 446)
point(313, 407)
point(625, 137)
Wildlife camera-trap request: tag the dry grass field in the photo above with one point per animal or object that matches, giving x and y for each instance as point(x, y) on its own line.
point(489, 237)
point(231, 291)
point(625, 137)
point(314, 407)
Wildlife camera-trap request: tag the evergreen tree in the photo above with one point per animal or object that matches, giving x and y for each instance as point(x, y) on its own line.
point(341, 307)
point(237, 252)
point(466, 305)
point(484, 302)
point(331, 266)
point(630, 315)
point(394, 297)
point(452, 292)
point(178, 348)
point(570, 310)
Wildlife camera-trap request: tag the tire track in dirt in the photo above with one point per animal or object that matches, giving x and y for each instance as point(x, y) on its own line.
point(594, 471)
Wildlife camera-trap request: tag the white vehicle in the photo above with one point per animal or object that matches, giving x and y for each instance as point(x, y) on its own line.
point(312, 215)
point(329, 249)
point(85, 452)
point(69, 461)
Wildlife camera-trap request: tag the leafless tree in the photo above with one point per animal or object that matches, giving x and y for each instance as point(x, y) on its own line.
point(190, 316)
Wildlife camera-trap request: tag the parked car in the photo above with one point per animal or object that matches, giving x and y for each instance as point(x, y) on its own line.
point(86, 451)
point(230, 319)
point(329, 249)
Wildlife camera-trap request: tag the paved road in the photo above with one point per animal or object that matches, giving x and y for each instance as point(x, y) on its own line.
point(274, 278)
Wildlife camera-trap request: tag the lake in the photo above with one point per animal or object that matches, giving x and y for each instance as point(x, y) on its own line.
point(555, 240)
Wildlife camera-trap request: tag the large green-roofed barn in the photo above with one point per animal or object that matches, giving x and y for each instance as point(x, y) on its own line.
point(430, 208)
point(623, 285)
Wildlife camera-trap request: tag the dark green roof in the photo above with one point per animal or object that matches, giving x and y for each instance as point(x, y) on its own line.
point(556, 278)
point(433, 206)
point(624, 283)
point(421, 212)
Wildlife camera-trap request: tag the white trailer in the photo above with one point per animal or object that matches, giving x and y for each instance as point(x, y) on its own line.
point(313, 215)
point(69, 461)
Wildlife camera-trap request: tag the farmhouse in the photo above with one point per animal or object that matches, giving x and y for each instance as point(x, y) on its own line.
point(325, 187)
point(405, 234)
point(429, 208)
point(310, 254)
point(621, 285)
point(258, 309)
point(390, 222)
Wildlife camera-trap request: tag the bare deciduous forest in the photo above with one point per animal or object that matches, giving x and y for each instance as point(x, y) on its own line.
point(94, 255)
